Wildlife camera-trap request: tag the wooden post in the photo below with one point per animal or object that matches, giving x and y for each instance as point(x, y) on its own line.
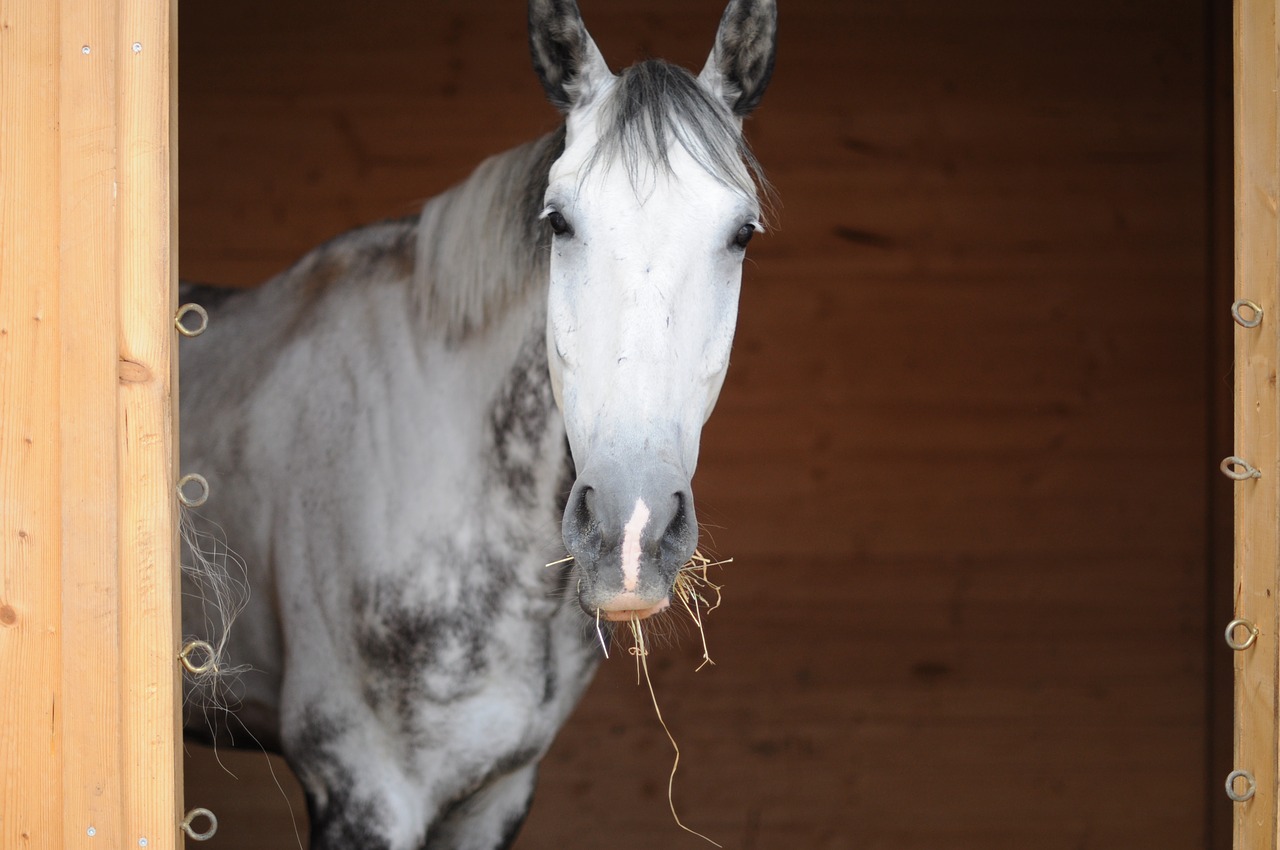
point(1257, 441)
point(89, 683)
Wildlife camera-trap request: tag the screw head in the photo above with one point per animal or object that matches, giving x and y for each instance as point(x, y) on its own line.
point(85, 50)
point(142, 842)
point(137, 47)
point(91, 832)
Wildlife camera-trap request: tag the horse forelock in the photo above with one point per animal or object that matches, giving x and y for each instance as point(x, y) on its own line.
point(654, 105)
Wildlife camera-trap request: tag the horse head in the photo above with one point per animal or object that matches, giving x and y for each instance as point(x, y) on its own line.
point(650, 208)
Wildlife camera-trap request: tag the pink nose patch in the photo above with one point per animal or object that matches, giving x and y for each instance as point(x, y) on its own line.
point(631, 546)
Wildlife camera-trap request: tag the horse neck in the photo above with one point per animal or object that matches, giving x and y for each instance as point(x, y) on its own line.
point(480, 281)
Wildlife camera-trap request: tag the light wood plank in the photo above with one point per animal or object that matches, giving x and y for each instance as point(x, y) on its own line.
point(88, 275)
point(88, 679)
point(30, 520)
point(1257, 520)
point(148, 600)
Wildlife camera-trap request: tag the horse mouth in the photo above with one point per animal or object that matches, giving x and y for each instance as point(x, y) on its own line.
point(624, 615)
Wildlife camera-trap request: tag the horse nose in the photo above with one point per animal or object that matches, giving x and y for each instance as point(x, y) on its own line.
point(629, 542)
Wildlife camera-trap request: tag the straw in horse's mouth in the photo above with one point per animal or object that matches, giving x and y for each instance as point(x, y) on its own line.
point(695, 593)
point(693, 590)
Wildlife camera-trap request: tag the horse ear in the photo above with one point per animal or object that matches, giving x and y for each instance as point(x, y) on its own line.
point(741, 63)
point(567, 61)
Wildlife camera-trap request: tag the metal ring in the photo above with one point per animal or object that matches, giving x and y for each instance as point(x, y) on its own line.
point(1241, 320)
point(197, 669)
point(1247, 470)
point(199, 328)
point(207, 834)
point(1231, 785)
point(196, 501)
point(1240, 645)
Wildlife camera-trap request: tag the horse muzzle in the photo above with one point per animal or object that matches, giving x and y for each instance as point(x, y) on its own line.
point(629, 535)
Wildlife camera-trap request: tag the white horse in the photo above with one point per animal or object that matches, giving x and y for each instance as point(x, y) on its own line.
point(395, 429)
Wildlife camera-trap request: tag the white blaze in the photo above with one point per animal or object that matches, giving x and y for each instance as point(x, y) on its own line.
point(631, 546)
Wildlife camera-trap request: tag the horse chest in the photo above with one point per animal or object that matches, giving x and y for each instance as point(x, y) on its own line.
point(479, 679)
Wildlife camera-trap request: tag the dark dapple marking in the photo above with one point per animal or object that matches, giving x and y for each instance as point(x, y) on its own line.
point(518, 420)
point(456, 809)
point(568, 474)
point(344, 819)
point(400, 640)
point(314, 733)
point(550, 668)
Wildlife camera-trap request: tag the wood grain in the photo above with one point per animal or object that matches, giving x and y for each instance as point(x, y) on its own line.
point(90, 709)
point(148, 602)
point(87, 604)
point(31, 745)
point(1257, 151)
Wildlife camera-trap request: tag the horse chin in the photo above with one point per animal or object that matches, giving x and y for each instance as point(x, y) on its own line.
point(623, 615)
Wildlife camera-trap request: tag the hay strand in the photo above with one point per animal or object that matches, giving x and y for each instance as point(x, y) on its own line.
point(691, 583)
point(641, 652)
point(698, 595)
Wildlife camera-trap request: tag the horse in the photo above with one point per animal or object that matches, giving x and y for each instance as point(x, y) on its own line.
point(404, 428)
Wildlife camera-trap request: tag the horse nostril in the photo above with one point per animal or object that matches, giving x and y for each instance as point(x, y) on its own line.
point(676, 538)
point(582, 511)
point(582, 524)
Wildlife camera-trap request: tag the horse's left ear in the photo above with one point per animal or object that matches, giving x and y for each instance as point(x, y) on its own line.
point(741, 63)
point(566, 58)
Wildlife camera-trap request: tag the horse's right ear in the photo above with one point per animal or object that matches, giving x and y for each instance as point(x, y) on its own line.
point(567, 61)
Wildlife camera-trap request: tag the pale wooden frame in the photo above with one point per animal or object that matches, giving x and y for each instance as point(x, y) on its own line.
point(89, 685)
point(1257, 416)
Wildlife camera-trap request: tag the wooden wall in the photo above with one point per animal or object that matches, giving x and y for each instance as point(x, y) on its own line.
point(962, 455)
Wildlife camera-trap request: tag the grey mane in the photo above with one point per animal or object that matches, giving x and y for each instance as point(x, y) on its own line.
point(482, 244)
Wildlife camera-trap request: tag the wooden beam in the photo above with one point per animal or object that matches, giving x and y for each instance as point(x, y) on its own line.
point(146, 242)
point(1257, 532)
point(31, 748)
point(89, 686)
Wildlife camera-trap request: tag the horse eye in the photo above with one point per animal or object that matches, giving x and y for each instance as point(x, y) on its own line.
point(559, 225)
point(744, 235)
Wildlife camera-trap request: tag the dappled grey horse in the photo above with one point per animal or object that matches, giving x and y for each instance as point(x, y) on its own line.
point(402, 429)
